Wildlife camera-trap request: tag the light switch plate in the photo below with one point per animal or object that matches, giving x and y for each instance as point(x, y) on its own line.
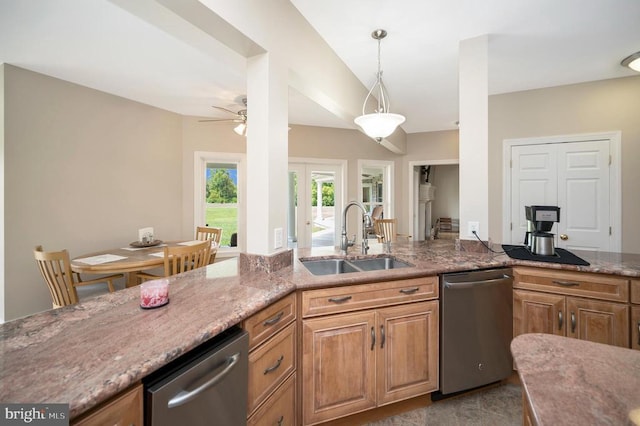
point(277, 238)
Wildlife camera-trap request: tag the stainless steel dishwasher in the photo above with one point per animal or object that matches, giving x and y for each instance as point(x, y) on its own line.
point(207, 386)
point(476, 329)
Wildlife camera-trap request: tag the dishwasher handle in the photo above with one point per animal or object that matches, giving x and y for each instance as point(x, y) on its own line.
point(183, 397)
point(467, 284)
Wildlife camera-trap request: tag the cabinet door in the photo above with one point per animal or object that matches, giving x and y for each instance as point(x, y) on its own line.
point(338, 366)
point(595, 321)
point(635, 327)
point(123, 410)
point(538, 313)
point(407, 347)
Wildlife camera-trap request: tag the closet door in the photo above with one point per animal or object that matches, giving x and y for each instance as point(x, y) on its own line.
point(583, 194)
point(534, 181)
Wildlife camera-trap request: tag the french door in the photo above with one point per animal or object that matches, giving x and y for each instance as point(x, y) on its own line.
point(315, 204)
point(574, 176)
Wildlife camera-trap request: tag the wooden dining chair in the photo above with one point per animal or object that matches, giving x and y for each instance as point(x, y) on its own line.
point(55, 268)
point(211, 234)
point(386, 230)
point(182, 258)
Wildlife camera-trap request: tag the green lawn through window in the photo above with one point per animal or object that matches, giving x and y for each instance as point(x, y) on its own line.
point(225, 218)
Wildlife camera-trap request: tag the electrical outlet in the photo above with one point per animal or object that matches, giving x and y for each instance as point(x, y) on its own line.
point(473, 226)
point(277, 238)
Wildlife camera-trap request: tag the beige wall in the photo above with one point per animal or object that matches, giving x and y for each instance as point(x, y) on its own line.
point(607, 105)
point(84, 170)
point(446, 179)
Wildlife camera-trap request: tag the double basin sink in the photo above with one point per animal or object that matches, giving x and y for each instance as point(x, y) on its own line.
point(345, 266)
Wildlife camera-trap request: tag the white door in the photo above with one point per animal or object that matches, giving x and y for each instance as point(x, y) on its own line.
point(313, 221)
point(573, 176)
point(583, 192)
point(534, 181)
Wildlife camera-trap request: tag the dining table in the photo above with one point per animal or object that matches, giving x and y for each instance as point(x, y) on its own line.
point(127, 259)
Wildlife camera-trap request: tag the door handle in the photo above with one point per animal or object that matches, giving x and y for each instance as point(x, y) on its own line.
point(564, 237)
point(638, 333)
point(573, 322)
point(383, 338)
point(560, 320)
point(373, 338)
point(183, 397)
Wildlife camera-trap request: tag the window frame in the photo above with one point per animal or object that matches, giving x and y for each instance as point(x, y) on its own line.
point(201, 159)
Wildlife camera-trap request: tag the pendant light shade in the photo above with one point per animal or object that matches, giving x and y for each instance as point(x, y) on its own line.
point(380, 123)
point(241, 129)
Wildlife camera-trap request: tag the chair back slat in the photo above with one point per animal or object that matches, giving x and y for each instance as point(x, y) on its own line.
point(179, 259)
point(385, 229)
point(55, 268)
point(214, 234)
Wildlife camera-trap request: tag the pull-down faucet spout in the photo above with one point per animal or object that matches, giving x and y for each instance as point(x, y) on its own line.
point(344, 240)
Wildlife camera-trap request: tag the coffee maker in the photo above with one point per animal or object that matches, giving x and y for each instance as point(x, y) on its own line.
point(540, 220)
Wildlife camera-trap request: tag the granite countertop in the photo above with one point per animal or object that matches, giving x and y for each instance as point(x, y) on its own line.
point(86, 353)
point(572, 381)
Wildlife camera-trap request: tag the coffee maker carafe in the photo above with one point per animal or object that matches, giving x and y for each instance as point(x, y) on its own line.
point(540, 220)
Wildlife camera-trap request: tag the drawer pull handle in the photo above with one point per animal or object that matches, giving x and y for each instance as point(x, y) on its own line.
point(274, 366)
point(409, 290)
point(573, 322)
point(339, 299)
point(560, 320)
point(638, 333)
point(274, 320)
point(373, 338)
point(565, 283)
point(383, 337)
point(280, 420)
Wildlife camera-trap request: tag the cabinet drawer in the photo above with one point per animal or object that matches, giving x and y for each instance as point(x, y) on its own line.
point(280, 408)
point(270, 320)
point(270, 364)
point(635, 292)
point(583, 284)
point(364, 296)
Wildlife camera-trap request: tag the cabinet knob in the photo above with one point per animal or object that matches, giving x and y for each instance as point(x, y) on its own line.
point(564, 237)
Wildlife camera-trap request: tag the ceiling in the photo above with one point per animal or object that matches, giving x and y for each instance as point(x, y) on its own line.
point(532, 44)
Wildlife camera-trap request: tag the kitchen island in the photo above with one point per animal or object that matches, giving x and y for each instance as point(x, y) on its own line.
point(86, 353)
point(572, 381)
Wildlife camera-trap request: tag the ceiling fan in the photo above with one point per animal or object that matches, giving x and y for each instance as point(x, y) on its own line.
point(241, 117)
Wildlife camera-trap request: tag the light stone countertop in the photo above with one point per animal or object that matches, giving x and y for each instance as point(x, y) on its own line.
point(86, 353)
point(572, 381)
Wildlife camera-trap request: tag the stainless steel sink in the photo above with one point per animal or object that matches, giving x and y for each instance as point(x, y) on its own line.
point(344, 266)
point(379, 263)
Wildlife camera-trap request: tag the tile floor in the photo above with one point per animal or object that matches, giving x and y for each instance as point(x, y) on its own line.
point(499, 406)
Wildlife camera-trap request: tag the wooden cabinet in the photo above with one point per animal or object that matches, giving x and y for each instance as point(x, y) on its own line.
point(370, 355)
point(124, 409)
point(635, 314)
point(272, 364)
point(584, 306)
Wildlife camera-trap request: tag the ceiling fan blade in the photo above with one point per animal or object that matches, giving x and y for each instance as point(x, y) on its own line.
point(225, 109)
point(232, 120)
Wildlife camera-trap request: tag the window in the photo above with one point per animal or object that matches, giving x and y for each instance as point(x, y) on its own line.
point(218, 191)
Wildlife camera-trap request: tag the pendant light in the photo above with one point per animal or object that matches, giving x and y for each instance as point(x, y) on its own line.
point(380, 123)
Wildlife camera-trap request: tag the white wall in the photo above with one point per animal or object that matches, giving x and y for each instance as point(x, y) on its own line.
point(2, 170)
point(600, 106)
point(84, 170)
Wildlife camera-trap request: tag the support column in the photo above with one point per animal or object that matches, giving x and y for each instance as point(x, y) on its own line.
point(474, 136)
point(267, 154)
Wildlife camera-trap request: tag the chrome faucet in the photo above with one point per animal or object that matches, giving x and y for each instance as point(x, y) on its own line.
point(344, 240)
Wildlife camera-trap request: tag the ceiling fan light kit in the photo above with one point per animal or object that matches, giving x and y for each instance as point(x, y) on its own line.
point(632, 61)
point(380, 123)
